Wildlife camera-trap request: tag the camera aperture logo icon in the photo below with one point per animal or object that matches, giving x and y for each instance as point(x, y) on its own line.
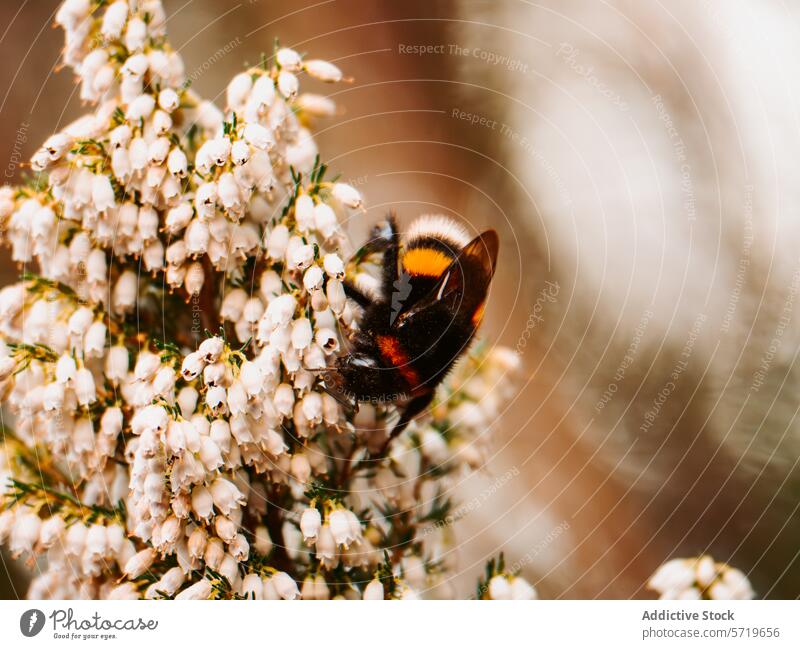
point(31, 622)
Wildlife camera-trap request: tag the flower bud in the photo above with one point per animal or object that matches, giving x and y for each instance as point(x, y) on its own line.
point(138, 564)
point(323, 70)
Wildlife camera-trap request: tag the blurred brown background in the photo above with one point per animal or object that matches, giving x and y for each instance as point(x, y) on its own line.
point(640, 164)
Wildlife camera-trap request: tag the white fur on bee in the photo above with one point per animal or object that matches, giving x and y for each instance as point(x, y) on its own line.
point(369, 285)
point(438, 226)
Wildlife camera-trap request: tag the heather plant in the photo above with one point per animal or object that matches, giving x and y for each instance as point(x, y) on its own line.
point(163, 353)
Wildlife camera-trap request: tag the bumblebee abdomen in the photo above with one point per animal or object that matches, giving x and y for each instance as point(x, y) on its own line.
point(431, 245)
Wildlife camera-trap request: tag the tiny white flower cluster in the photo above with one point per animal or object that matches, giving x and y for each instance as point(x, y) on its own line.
point(510, 587)
point(218, 469)
point(700, 578)
point(500, 583)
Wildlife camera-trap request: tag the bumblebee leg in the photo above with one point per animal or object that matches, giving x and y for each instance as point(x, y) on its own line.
point(412, 409)
point(391, 254)
point(357, 296)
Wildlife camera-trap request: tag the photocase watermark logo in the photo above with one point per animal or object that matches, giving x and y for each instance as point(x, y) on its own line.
point(31, 622)
point(402, 289)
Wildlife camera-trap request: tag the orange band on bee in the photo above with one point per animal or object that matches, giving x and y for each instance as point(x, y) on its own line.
point(426, 261)
point(393, 352)
point(477, 316)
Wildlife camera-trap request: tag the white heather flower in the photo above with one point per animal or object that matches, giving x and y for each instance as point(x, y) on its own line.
point(240, 153)
point(192, 365)
point(238, 90)
point(135, 34)
point(137, 153)
point(300, 256)
point(287, 84)
point(316, 105)
point(325, 219)
point(158, 151)
point(258, 136)
point(310, 523)
point(521, 589)
point(216, 400)
point(84, 387)
point(147, 364)
point(285, 586)
point(171, 581)
point(197, 237)
point(135, 66)
point(347, 195)
point(125, 292)
point(24, 533)
point(96, 540)
point(225, 528)
point(304, 212)
point(228, 192)
point(336, 296)
point(252, 378)
point(124, 591)
point(233, 305)
point(66, 368)
point(116, 368)
point(226, 495)
point(196, 544)
point(500, 588)
point(313, 278)
point(311, 405)
point(138, 564)
point(178, 218)
point(211, 349)
point(277, 242)
point(263, 94)
point(251, 586)
point(262, 542)
point(237, 398)
point(202, 502)
point(334, 266)
point(674, 576)
point(289, 59)
point(280, 311)
point(140, 108)
point(199, 590)
point(102, 193)
point(323, 70)
point(51, 531)
point(214, 374)
point(114, 20)
point(340, 527)
point(374, 590)
point(168, 99)
point(300, 468)
point(75, 539)
point(301, 333)
point(733, 584)
point(284, 399)
point(195, 276)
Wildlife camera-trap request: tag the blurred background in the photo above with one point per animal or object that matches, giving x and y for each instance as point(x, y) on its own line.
point(640, 161)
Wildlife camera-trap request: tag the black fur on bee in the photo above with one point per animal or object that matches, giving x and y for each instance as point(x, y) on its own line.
point(433, 288)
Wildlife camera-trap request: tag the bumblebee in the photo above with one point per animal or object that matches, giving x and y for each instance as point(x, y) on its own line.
point(433, 288)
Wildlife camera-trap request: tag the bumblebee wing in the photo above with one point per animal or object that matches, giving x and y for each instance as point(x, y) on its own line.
point(463, 285)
